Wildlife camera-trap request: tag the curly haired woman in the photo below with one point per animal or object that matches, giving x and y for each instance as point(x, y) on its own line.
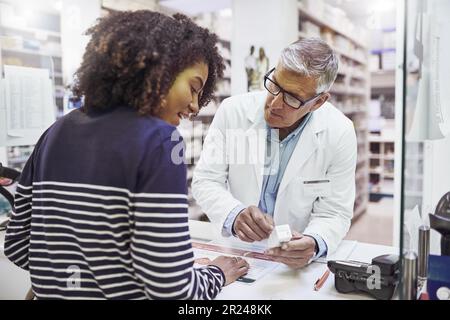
point(101, 208)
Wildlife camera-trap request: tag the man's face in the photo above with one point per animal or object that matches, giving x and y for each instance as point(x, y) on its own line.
point(280, 115)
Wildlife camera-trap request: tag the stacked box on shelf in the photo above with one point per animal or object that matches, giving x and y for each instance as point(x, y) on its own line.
point(381, 166)
point(316, 6)
point(333, 18)
point(388, 59)
point(383, 60)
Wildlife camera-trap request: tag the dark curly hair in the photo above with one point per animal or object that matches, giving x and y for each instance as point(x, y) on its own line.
point(133, 58)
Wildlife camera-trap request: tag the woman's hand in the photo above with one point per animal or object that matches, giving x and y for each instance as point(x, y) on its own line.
point(232, 267)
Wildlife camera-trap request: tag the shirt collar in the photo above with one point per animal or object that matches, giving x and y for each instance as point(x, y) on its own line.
point(294, 133)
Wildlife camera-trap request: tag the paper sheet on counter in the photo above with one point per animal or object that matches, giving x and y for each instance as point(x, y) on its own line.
point(256, 249)
point(260, 265)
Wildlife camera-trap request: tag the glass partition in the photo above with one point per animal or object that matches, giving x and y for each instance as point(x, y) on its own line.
point(426, 145)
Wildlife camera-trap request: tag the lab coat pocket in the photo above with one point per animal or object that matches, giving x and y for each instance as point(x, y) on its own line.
point(316, 188)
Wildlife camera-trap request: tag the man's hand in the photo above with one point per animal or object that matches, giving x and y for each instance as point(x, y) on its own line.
point(253, 225)
point(295, 253)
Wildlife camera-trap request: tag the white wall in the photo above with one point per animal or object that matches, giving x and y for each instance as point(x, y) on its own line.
point(3, 157)
point(272, 24)
point(76, 17)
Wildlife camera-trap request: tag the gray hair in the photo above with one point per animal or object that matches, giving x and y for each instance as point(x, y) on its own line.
point(312, 57)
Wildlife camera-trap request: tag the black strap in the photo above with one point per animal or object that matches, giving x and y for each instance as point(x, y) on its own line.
point(8, 173)
point(7, 195)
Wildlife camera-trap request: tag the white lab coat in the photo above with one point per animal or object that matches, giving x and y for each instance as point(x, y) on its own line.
point(326, 150)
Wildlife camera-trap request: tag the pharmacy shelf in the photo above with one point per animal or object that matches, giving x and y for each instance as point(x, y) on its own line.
point(349, 56)
point(380, 51)
point(383, 79)
point(324, 24)
point(381, 138)
point(386, 190)
point(17, 156)
point(349, 91)
point(350, 94)
point(381, 162)
point(32, 30)
point(206, 116)
point(33, 52)
point(338, 50)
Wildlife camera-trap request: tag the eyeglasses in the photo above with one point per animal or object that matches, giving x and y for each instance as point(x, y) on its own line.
point(288, 98)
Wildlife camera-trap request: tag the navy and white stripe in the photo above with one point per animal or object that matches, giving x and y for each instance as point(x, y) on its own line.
point(83, 238)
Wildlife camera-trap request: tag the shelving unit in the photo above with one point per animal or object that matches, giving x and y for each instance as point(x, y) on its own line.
point(382, 139)
point(323, 23)
point(195, 133)
point(381, 166)
point(36, 44)
point(383, 90)
point(351, 91)
point(382, 68)
point(383, 81)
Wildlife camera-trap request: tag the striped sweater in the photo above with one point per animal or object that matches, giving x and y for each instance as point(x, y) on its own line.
point(101, 213)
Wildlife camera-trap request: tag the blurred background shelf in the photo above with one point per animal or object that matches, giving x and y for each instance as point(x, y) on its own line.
point(351, 91)
point(34, 43)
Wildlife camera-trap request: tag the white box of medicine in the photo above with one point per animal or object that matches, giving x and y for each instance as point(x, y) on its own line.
point(280, 234)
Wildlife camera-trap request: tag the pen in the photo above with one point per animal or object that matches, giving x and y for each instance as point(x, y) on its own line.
point(319, 283)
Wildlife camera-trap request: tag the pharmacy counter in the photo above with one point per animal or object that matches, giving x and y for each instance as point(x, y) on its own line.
point(281, 283)
point(284, 283)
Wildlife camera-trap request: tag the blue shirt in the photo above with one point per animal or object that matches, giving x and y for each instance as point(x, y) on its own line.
point(278, 154)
